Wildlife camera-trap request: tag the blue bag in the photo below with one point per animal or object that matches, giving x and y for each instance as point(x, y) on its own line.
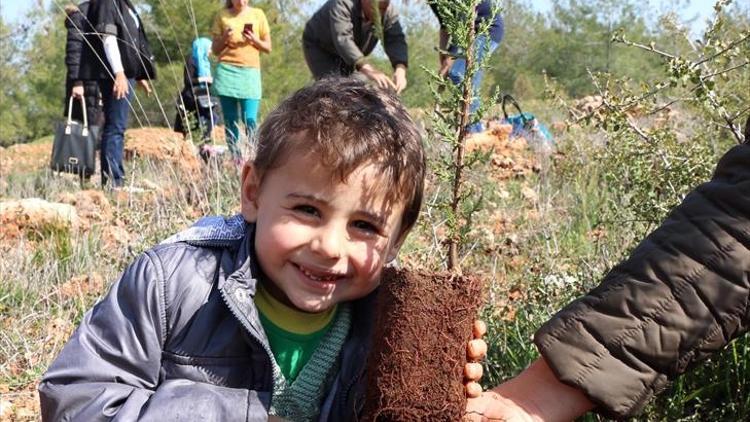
point(525, 125)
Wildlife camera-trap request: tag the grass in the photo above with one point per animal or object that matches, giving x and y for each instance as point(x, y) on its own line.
point(537, 253)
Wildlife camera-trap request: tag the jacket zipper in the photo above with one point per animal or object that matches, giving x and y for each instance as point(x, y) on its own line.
point(242, 319)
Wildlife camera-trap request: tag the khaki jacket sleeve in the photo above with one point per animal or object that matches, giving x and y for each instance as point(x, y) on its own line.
point(682, 295)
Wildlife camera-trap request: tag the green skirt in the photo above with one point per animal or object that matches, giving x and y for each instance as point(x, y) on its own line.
point(237, 82)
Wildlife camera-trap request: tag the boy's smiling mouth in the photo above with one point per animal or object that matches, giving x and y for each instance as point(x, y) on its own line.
point(319, 276)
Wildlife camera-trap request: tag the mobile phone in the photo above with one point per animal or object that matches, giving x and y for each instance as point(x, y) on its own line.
point(248, 27)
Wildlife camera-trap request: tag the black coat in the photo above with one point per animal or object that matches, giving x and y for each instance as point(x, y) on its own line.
point(78, 26)
point(112, 17)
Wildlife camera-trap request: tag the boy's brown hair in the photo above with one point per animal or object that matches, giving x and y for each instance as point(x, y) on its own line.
point(348, 123)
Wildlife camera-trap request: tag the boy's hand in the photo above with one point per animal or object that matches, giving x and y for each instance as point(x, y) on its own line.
point(476, 350)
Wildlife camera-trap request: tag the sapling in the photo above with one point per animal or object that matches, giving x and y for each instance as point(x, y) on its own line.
point(424, 320)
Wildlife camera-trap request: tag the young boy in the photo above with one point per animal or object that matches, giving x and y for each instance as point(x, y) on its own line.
point(269, 312)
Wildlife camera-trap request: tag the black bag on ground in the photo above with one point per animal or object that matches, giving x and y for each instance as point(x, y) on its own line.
point(74, 145)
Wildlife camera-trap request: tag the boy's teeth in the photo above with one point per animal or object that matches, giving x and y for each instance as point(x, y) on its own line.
point(314, 277)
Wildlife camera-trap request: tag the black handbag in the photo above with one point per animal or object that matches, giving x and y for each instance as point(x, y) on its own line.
point(74, 145)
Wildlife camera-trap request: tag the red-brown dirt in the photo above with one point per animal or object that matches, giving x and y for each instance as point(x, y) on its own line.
point(423, 325)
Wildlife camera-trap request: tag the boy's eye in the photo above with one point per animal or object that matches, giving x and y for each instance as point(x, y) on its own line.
point(366, 227)
point(307, 209)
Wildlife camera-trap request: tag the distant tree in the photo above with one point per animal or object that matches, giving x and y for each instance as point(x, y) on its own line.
point(13, 120)
point(33, 73)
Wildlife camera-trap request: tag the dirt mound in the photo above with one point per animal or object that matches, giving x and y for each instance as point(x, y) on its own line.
point(510, 157)
point(92, 206)
point(35, 215)
point(24, 158)
point(161, 145)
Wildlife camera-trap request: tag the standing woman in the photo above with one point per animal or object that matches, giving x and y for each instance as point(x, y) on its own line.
point(240, 33)
point(77, 27)
point(121, 57)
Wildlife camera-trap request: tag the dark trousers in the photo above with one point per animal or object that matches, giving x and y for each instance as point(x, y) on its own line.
point(322, 63)
point(113, 133)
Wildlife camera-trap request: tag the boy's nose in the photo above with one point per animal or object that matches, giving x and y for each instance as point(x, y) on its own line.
point(329, 242)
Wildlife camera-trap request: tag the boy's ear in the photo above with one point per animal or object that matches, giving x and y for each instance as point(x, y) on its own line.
point(249, 192)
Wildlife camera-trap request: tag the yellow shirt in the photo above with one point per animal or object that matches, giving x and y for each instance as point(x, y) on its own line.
point(238, 50)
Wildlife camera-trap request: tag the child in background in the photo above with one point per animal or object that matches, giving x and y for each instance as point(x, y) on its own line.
point(195, 97)
point(240, 33)
point(270, 311)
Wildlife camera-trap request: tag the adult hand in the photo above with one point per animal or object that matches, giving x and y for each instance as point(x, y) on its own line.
point(251, 38)
point(381, 79)
point(77, 91)
point(445, 65)
point(121, 88)
point(143, 83)
point(476, 350)
point(399, 78)
point(491, 406)
point(533, 395)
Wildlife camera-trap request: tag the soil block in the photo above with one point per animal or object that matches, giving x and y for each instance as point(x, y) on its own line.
point(416, 364)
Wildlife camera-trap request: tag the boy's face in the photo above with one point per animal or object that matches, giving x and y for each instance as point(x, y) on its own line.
point(318, 240)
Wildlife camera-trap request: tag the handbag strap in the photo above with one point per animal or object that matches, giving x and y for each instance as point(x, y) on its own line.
point(507, 98)
point(85, 130)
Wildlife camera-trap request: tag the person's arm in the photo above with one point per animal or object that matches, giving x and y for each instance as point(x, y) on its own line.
point(261, 40)
point(121, 87)
point(682, 295)
point(394, 42)
point(110, 368)
point(445, 60)
point(220, 37)
point(342, 33)
point(395, 48)
point(535, 395)
point(74, 45)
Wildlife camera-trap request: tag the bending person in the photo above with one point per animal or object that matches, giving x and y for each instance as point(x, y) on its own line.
point(342, 33)
point(682, 295)
point(453, 61)
point(77, 27)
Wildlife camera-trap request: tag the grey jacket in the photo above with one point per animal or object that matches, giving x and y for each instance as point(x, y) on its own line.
point(683, 294)
point(178, 338)
point(338, 28)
